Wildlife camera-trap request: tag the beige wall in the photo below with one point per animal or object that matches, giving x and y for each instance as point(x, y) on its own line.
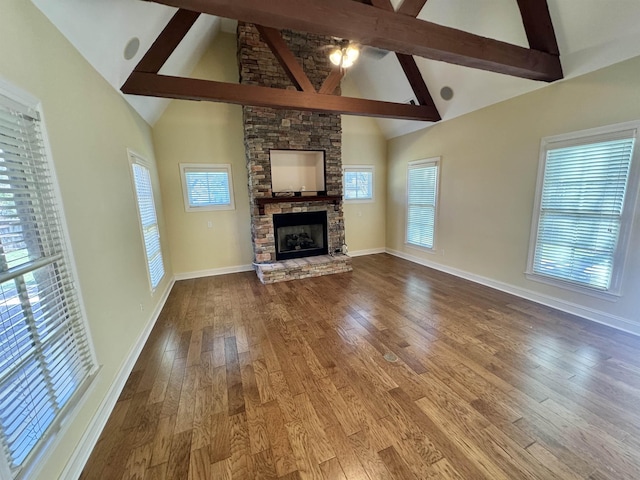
point(205, 132)
point(364, 144)
point(90, 127)
point(488, 179)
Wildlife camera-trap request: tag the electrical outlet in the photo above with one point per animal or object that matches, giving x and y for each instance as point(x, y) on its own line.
point(209, 224)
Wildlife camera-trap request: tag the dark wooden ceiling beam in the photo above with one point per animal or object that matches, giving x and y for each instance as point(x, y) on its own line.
point(408, 63)
point(538, 25)
point(383, 4)
point(387, 30)
point(286, 58)
point(411, 7)
point(167, 41)
point(150, 84)
point(293, 69)
point(411, 70)
point(332, 81)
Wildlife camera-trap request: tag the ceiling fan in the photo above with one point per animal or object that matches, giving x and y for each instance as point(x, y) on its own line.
point(343, 53)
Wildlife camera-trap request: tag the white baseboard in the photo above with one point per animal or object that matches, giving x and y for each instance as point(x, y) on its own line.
point(370, 251)
point(213, 271)
point(80, 456)
point(597, 316)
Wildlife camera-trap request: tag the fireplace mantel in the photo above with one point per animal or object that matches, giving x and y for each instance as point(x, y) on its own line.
point(261, 202)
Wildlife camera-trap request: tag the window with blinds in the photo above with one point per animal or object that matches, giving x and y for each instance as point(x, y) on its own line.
point(45, 357)
point(582, 210)
point(207, 186)
point(422, 195)
point(148, 219)
point(358, 182)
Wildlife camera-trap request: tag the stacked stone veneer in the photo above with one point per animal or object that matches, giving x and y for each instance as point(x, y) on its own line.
point(299, 268)
point(266, 129)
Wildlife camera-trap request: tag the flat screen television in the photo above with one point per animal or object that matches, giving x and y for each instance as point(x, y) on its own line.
point(297, 172)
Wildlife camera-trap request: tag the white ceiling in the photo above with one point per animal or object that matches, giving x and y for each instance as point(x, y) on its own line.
point(591, 34)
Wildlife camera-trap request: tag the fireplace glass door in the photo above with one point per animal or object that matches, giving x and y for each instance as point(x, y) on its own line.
point(300, 235)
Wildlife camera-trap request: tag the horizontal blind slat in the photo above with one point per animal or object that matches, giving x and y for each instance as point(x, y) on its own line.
point(582, 200)
point(45, 354)
point(207, 188)
point(149, 223)
point(421, 200)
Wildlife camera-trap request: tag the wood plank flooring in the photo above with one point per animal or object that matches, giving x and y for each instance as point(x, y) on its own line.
point(240, 380)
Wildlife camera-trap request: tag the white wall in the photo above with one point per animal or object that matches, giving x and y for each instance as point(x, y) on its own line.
point(90, 127)
point(488, 180)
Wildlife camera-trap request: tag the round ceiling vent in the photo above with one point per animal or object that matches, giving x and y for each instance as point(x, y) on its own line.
point(446, 93)
point(131, 48)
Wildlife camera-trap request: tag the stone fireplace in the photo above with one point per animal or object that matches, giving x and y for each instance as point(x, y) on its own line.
point(267, 129)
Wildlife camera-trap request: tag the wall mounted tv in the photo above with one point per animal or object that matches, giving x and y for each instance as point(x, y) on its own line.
point(297, 172)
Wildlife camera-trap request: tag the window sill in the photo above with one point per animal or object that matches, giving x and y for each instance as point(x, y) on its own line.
point(209, 208)
point(604, 295)
point(358, 200)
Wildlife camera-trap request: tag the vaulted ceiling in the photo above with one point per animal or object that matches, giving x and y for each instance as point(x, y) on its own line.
point(484, 51)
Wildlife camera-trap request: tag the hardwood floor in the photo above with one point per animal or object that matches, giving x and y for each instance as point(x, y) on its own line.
point(240, 381)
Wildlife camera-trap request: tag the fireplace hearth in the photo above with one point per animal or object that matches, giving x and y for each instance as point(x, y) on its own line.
point(299, 235)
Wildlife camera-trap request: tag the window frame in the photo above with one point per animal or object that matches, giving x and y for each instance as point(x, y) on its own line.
point(206, 167)
point(426, 162)
point(587, 137)
point(135, 158)
point(51, 436)
point(359, 169)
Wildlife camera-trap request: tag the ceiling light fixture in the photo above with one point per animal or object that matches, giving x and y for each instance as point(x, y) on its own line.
point(344, 57)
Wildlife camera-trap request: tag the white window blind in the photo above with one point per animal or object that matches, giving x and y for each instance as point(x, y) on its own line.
point(580, 211)
point(207, 186)
point(422, 194)
point(45, 359)
point(148, 219)
point(358, 183)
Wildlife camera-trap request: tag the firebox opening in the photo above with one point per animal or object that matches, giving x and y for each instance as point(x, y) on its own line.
point(300, 235)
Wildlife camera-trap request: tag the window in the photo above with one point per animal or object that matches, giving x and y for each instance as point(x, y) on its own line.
point(207, 186)
point(584, 206)
point(422, 196)
point(358, 182)
point(148, 219)
point(45, 355)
